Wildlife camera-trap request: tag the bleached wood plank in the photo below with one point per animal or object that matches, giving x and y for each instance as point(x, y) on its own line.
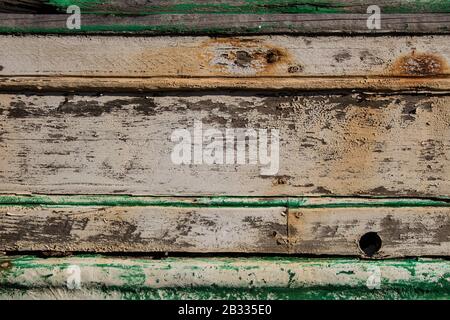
point(216, 59)
point(330, 144)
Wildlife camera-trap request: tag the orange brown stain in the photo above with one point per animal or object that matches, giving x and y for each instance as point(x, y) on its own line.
point(266, 59)
point(419, 65)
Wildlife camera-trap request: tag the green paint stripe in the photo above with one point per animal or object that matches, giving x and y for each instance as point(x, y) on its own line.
point(217, 202)
point(124, 200)
point(204, 278)
point(255, 7)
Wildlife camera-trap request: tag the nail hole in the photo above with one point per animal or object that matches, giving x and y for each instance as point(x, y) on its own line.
point(370, 243)
point(243, 58)
point(272, 56)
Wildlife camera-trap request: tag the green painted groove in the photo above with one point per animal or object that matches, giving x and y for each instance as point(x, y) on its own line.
point(124, 200)
point(254, 6)
point(212, 201)
point(228, 278)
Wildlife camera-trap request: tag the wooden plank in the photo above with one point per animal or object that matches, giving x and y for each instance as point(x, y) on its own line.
point(27, 277)
point(143, 229)
point(239, 24)
point(224, 57)
point(204, 62)
point(377, 232)
point(330, 144)
point(368, 228)
point(230, 6)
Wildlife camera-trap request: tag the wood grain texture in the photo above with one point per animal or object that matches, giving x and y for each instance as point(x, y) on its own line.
point(403, 231)
point(330, 144)
point(414, 231)
point(28, 6)
point(87, 63)
point(143, 229)
point(206, 57)
point(227, 24)
point(229, 6)
point(28, 277)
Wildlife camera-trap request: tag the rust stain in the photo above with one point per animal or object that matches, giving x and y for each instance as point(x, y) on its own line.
point(248, 57)
point(419, 64)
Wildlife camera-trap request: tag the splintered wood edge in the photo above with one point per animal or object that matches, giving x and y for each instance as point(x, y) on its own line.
point(103, 277)
point(124, 84)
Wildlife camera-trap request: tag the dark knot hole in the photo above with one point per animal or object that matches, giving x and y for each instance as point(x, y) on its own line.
point(370, 243)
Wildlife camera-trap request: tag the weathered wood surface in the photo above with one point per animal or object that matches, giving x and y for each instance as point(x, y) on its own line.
point(403, 231)
point(229, 6)
point(239, 24)
point(410, 231)
point(330, 144)
point(27, 277)
point(205, 62)
point(143, 229)
point(33, 6)
point(282, 56)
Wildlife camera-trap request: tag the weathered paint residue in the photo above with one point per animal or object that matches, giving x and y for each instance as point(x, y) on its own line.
point(227, 278)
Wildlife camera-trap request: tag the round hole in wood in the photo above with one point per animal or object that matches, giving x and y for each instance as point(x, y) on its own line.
point(370, 243)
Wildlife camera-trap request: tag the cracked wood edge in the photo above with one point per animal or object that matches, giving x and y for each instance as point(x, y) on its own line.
point(239, 24)
point(125, 84)
point(28, 277)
